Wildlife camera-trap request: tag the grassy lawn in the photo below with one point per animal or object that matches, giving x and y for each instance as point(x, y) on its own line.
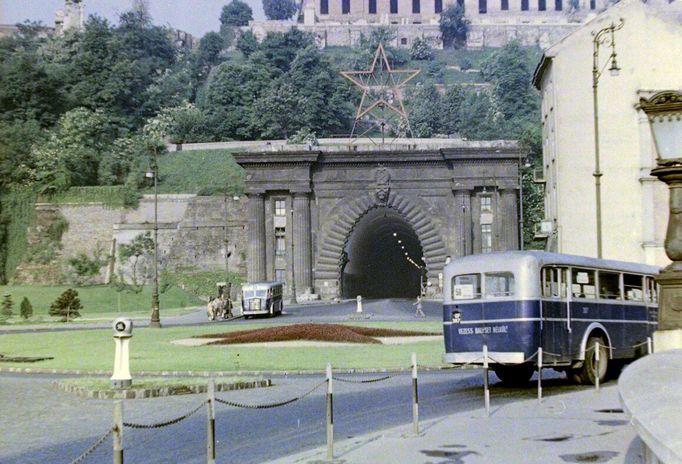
point(99, 301)
point(178, 173)
point(151, 350)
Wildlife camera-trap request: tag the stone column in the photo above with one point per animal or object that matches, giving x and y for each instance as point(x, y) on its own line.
point(256, 229)
point(302, 243)
point(464, 232)
point(510, 219)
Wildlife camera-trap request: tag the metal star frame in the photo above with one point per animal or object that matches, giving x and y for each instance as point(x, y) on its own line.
point(381, 90)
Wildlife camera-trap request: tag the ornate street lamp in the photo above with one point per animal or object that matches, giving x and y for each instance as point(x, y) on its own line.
point(155, 319)
point(664, 111)
point(606, 37)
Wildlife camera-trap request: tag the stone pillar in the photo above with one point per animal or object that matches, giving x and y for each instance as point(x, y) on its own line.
point(464, 232)
point(256, 229)
point(302, 243)
point(510, 219)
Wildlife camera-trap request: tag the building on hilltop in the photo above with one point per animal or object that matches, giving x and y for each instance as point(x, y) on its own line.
point(71, 17)
point(634, 204)
point(492, 23)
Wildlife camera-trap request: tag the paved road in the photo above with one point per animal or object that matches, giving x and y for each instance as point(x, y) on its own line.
point(373, 310)
point(40, 424)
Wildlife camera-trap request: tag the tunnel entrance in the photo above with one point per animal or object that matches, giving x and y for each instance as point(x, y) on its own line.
point(382, 258)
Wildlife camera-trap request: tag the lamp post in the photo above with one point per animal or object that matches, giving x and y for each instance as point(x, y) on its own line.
point(293, 265)
point(155, 320)
point(664, 111)
point(606, 37)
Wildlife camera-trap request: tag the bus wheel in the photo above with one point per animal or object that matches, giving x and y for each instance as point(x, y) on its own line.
point(586, 374)
point(514, 376)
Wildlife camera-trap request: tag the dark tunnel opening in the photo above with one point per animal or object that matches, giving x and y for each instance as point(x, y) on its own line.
point(382, 258)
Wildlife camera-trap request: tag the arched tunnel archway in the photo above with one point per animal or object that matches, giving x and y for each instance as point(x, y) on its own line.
point(382, 257)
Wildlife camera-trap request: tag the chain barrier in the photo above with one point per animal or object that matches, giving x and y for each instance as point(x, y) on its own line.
point(92, 449)
point(645, 342)
point(164, 424)
point(379, 379)
point(270, 405)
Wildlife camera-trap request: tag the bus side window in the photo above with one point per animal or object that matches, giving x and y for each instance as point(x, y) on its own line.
point(609, 285)
point(583, 284)
point(632, 286)
point(651, 296)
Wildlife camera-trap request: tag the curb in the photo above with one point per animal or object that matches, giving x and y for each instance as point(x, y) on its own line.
point(140, 393)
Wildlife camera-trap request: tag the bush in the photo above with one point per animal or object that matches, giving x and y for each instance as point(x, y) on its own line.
point(86, 268)
point(67, 306)
point(6, 307)
point(421, 50)
point(26, 308)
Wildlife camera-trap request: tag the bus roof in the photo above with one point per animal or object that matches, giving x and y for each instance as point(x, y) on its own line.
point(263, 284)
point(512, 259)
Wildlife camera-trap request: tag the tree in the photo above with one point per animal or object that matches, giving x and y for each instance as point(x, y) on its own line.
point(421, 50)
point(67, 306)
point(6, 307)
point(280, 48)
point(509, 72)
point(279, 9)
point(423, 102)
point(137, 252)
point(247, 43)
point(86, 268)
point(454, 26)
point(276, 113)
point(235, 14)
point(26, 308)
point(451, 110)
point(71, 155)
point(16, 159)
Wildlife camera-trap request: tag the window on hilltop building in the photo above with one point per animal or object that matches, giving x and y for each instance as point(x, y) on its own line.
point(486, 203)
point(504, 5)
point(558, 5)
point(416, 7)
point(486, 238)
point(372, 6)
point(542, 5)
point(280, 275)
point(593, 4)
point(403, 41)
point(280, 207)
point(524, 5)
point(482, 6)
point(324, 7)
point(460, 3)
point(345, 6)
point(438, 6)
point(280, 241)
point(394, 7)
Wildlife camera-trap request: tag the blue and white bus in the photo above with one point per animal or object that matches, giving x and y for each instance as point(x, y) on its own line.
point(517, 301)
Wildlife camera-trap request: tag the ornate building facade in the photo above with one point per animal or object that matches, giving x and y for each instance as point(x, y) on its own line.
point(377, 221)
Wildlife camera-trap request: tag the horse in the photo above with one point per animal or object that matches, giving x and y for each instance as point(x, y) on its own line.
point(218, 308)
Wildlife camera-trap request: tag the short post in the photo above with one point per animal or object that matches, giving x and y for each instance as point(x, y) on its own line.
point(540, 374)
point(486, 384)
point(649, 345)
point(210, 426)
point(118, 432)
point(415, 396)
point(596, 366)
point(359, 304)
point(330, 414)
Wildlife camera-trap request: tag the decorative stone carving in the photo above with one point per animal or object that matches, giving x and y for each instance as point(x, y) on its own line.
point(382, 189)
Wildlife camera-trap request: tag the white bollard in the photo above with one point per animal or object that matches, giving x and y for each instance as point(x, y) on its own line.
point(486, 383)
point(649, 345)
point(330, 415)
point(359, 304)
point(210, 425)
point(118, 432)
point(415, 396)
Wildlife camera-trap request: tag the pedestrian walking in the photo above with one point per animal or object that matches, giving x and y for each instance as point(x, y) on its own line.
point(418, 304)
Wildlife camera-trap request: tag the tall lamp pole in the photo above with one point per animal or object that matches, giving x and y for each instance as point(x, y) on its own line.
point(664, 111)
point(155, 320)
point(293, 276)
point(606, 37)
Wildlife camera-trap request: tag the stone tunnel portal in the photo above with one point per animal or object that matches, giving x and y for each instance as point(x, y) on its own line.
point(382, 258)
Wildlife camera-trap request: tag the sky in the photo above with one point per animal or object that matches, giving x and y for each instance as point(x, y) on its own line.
point(194, 16)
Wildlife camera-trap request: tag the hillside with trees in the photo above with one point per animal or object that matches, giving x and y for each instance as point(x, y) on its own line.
point(88, 109)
